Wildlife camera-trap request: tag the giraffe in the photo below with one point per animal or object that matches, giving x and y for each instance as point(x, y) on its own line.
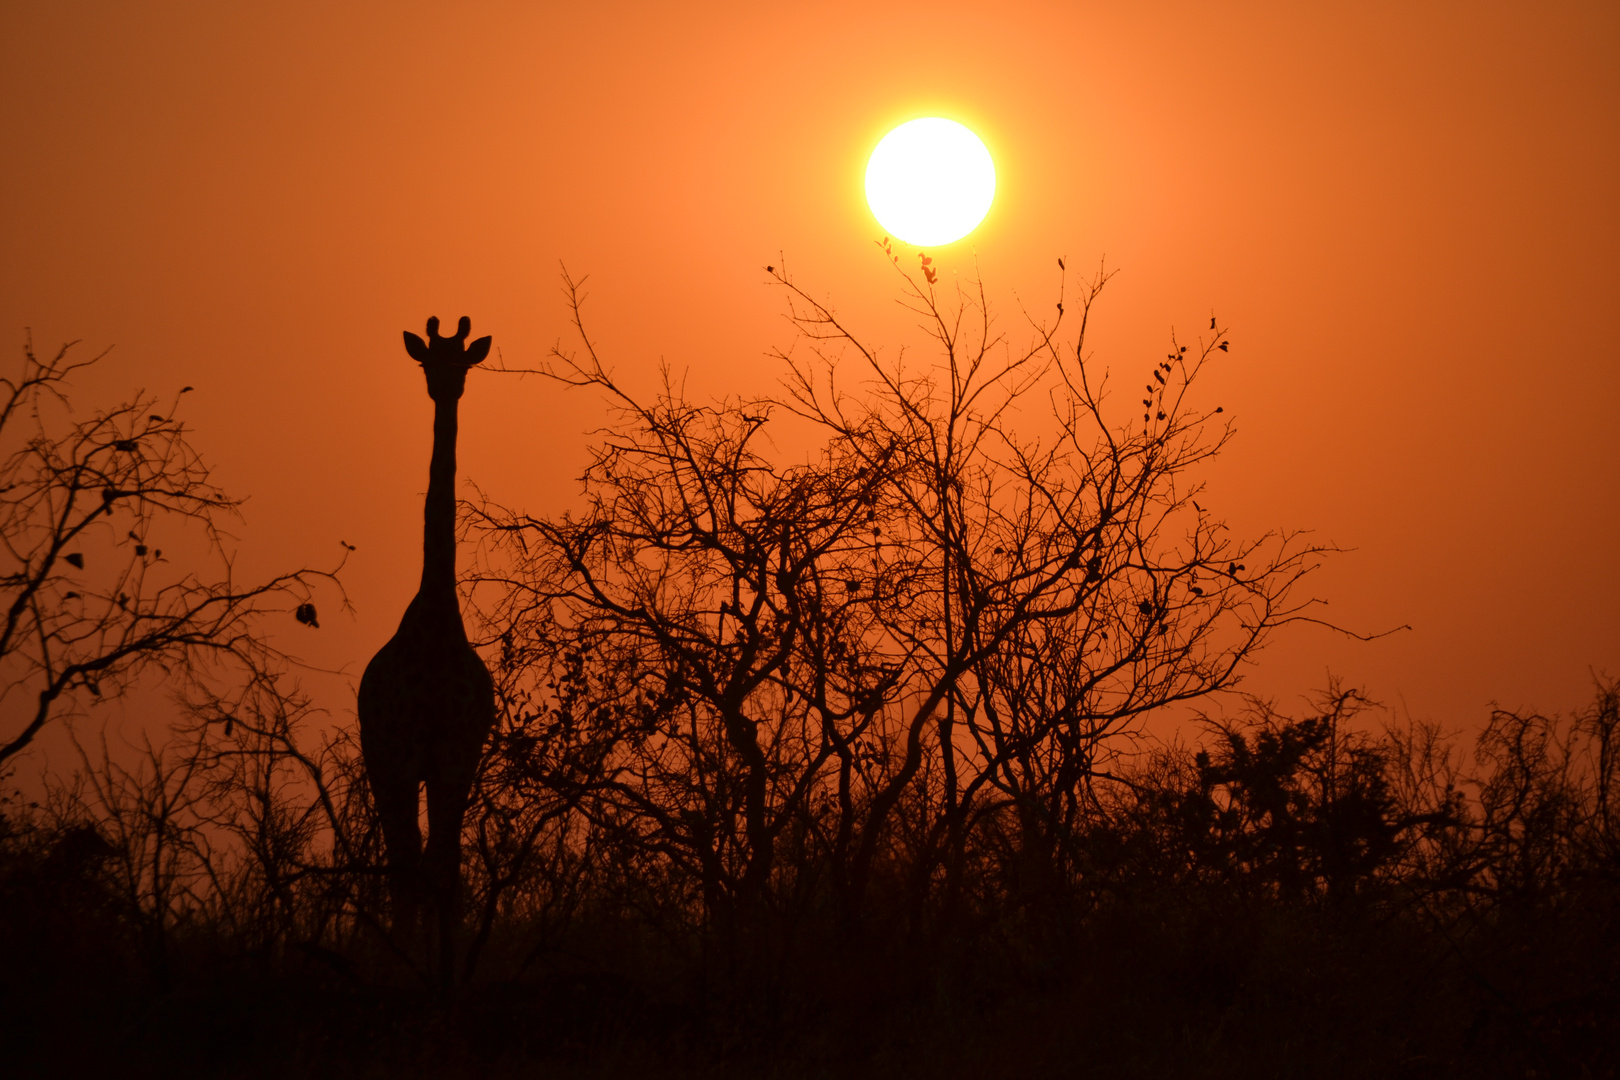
point(426, 700)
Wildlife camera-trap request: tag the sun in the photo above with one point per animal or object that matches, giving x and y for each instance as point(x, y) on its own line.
point(930, 182)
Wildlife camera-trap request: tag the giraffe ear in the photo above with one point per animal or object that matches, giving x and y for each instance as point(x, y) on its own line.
point(477, 351)
point(416, 347)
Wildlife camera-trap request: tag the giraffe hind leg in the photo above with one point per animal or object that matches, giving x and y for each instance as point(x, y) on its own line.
point(447, 799)
point(397, 799)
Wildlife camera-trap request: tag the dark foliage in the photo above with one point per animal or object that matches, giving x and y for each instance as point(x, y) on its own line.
point(1268, 904)
point(833, 767)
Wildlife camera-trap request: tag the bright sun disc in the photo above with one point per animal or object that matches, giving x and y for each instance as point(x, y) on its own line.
point(930, 182)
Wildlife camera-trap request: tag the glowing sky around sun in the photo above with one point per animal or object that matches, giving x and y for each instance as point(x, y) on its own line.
point(1405, 213)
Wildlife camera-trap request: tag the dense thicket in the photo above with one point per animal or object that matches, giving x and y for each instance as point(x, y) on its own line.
point(1289, 896)
point(831, 763)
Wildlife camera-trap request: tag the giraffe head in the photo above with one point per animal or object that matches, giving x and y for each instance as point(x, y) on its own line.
point(445, 360)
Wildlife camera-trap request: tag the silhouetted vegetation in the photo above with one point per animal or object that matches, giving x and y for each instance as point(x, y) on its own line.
point(88, 602)
point(831, 763)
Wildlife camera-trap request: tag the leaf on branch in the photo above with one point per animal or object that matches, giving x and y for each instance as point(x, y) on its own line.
point(76, 560)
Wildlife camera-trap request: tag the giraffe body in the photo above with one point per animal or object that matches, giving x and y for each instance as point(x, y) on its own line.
point(426, 701)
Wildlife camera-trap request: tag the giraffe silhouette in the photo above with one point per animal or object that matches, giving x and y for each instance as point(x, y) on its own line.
point(426, 700)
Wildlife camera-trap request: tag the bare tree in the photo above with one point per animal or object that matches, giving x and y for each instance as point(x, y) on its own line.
point(1045, 591)
point(699, 621)
point(88, 600)
point(1547, 787)
point(931, 607)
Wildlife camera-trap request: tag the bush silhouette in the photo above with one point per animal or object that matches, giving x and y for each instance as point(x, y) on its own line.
point(831, 765)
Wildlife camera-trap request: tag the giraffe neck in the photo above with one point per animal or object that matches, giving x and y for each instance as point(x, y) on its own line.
point(439, 511)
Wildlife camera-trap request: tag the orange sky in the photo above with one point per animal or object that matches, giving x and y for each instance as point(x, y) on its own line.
point(1407, 213)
